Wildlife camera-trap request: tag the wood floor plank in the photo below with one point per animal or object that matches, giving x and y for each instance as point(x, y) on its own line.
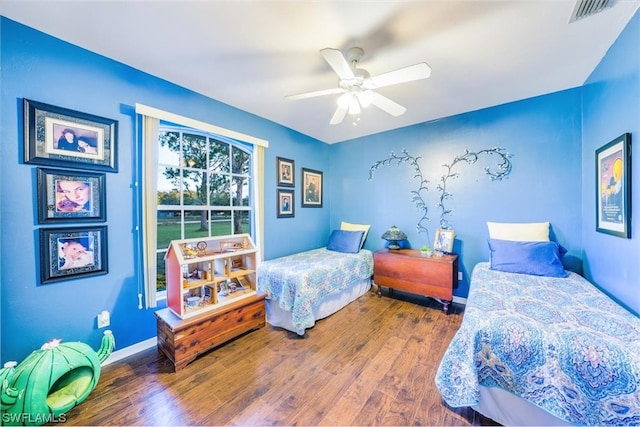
point(371, 363)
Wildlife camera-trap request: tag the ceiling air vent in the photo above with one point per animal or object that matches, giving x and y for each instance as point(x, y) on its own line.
point(586, 8)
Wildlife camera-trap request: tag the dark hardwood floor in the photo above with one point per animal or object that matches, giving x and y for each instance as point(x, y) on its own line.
point(372, 363)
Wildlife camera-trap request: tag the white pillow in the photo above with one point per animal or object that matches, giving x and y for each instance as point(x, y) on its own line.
point(519, 231)
point(347, 226)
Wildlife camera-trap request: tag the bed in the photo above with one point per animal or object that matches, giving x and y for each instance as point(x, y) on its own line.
point(543, 350)
point(308, 286)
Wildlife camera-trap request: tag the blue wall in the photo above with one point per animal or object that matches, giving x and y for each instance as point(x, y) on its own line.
point(42, 68)
point(611, 108)
point(552, 139)
point(542, 133)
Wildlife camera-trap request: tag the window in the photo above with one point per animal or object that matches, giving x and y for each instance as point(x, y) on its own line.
point(204, 188)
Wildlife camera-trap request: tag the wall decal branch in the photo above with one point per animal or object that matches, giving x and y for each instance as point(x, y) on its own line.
point(469, 157)
point(416, 195)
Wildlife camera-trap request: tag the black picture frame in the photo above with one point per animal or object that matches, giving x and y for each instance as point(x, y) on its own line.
point(70, 196)
point(285, 171)
point(92, 144)
point(285, 203)
point(312, 188)
point(613, 187)
point(72, 253)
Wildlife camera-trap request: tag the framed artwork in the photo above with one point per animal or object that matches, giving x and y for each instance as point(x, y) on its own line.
point(55, 136)
point(285, 170)
point(444, 240)
point(70, 196)
point(74, 252)
point(613, 187)
point(285, 203)
point(311, 188)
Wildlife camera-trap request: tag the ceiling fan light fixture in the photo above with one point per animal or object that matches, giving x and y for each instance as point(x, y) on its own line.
point(358, 89)
point(344, 100)
point(354, 107)
point(365, 98)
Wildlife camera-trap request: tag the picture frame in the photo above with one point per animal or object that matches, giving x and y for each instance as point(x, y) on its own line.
point(285, 203)
point(70, 196)
point(444, 240)
point(55, 136)
point(312, 188)
point(285, 170)
point(613, 187)
point(72, 253)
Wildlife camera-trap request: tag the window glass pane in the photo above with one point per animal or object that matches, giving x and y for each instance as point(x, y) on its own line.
point(169, 151)
point(220, 223)
point(196, 224)
point(168, 193)
point(240, 161)
point(219, 190)
point(161, 277)
point(194, 151)
point(219, 156)
point(169, 227)
point(240, 191)
point(195, 188)
point(241, 223)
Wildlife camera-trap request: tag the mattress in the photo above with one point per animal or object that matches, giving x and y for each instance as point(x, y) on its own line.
point(558, 343)
point(302, 282)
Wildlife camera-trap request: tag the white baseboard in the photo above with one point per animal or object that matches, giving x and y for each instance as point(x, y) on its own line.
point(460, 300)
point(131, 350)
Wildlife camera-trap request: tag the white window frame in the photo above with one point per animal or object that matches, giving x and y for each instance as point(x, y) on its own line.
point(147, 278)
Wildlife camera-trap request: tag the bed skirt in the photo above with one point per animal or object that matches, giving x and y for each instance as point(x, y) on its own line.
point(282, 319)
point(510, 410)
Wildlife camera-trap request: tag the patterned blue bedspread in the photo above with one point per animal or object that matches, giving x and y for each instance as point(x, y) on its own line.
point(559, 343)
point(301, 281)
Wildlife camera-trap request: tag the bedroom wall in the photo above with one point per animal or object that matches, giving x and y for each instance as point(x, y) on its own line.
point(42, 68)
point(542, 134)
point(611, 107)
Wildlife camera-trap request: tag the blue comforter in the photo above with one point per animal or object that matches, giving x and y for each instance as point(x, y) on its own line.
point(301, 281)
point(559, 343)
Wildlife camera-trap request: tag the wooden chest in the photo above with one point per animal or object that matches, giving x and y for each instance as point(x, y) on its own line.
point(407, 270)
point(182, 340)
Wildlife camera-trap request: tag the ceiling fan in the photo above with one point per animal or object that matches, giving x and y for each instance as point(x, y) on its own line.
point(357, 86)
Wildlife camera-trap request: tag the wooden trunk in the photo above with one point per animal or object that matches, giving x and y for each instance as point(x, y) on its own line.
point(409, 271)
point(182, 340)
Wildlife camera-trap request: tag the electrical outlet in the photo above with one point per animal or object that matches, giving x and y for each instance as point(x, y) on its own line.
point(460, 275)
point(104, 319)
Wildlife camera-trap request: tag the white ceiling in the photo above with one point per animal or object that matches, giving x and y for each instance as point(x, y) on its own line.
point(250, 54)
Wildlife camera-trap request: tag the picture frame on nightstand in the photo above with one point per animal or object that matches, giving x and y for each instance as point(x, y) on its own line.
point(444, 240)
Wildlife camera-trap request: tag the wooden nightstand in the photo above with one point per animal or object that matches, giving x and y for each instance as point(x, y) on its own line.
point(407, 270)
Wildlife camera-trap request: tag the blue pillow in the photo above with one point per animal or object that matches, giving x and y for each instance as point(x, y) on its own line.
point(536, 258)
point(345, 241)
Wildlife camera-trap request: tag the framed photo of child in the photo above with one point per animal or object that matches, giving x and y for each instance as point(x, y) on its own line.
point(285, 203)
point(56, 136)
point(70, 196)
point(286, 172)
point(70, 253)
point(444, 240)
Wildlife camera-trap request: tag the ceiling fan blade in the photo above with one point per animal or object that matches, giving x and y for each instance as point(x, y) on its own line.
point(316, 93)
point(385, 104)
point(338, 116)
point(403, 75)
point(337, 61)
